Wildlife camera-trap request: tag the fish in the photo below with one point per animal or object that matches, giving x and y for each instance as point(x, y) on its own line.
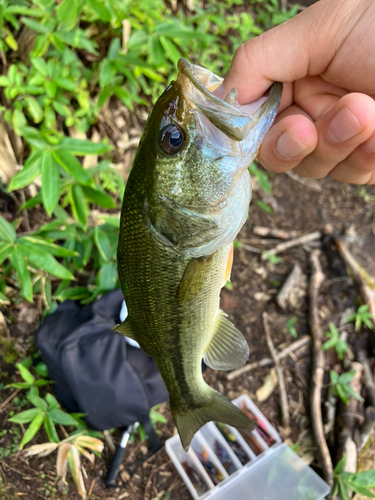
point(186, 198)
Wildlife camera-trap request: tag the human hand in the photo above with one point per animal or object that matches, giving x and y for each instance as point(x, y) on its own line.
point(326, 121)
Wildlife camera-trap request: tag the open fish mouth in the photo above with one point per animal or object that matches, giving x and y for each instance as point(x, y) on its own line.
point(234, 120)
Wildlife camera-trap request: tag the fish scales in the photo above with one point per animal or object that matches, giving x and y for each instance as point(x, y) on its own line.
point(186, 198)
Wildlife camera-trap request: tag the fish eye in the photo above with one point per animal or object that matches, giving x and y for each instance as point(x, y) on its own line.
point(172, 139)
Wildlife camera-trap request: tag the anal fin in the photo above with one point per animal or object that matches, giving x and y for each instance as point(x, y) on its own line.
point(227, 348)
point(125, 329)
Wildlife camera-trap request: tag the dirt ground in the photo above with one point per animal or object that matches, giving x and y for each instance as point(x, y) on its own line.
point(297, 206)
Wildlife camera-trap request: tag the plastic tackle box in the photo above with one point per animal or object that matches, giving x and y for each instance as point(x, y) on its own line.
point(223, 463)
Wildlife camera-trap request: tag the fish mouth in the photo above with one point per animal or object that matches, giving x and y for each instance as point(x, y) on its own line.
point(234, 120)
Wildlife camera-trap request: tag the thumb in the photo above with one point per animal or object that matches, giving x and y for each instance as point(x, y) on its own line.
point(304, 45)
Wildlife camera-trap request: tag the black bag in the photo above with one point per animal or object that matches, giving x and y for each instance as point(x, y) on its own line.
point(95, 370)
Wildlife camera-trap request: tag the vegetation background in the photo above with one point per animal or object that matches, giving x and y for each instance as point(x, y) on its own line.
point(78, 79)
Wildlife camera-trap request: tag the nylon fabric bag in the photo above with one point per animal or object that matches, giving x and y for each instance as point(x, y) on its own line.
point(95, 370)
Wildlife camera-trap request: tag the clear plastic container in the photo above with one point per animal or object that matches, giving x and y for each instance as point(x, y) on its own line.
point(273, 471)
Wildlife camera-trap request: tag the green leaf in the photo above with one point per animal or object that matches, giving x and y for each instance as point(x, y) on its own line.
point(108, 276)
point(38, 402)
point(68, 13)
point(17, 259)
point(42, 370)
point(29, 173)
point(41, 45)
point(5, 249)
point(51, 430)
point(10, 40)
point(75, 293)
point(18, 121)
point(7, 231)
point(4, 81)
point(102, 12)
point(61, 417)
point(34, 108)
point(51, 88)
point(52, 248)
point(40, 65)
point(33, 390)
point(170, 49)
point(101, 198)
point(365, 478)
point(339, 467)
point(107, 72)
point(354, 394)
point(343, 490)
point(345, 378)
point(334, 376)
point(50, 182)
point(25, 374)
point(35, 138)
point(32, 430)
point(41, 382)
point(361, 490)
point(26, 416)
point(36, 26)
point(103, 244)
point(264, 206)
point(52, 401)
point(83, 148)
point(65, 84)
point(47, 262)
point(79, 204)
point(72, 166)
point(4, 299)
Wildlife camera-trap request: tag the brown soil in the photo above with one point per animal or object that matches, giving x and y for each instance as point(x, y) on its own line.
point(255, 286)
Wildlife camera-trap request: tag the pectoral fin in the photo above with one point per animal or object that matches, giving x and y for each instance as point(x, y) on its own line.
point(194, 278)
point(227, 348)
point(125, 329)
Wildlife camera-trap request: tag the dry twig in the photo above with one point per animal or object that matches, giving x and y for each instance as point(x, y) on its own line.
point(270, 232)
point(306, 238)
point(268, 361)
point(279, 372)
point(316, 280)
point(3, 405)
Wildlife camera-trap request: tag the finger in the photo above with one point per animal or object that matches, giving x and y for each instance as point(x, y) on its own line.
point(346, 126)
point(292, 137)
point(359, 166)
point(304, 45)
point(316, 96)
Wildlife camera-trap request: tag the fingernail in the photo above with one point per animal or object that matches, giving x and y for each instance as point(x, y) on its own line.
point(344, 126)
point(289, 146)
point(369, 146)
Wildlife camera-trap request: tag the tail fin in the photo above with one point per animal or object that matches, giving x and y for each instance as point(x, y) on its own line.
point(218, 408)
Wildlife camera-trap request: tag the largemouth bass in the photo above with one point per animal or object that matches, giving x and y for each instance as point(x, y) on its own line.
point(186, 199)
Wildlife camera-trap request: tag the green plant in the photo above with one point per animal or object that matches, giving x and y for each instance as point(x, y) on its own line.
point(341, 386)
point(346, 482)
point(289, 327)
point(47, 412)
point(340, 346)
point(29, 381)
point(362, 316)
point(272, 258)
